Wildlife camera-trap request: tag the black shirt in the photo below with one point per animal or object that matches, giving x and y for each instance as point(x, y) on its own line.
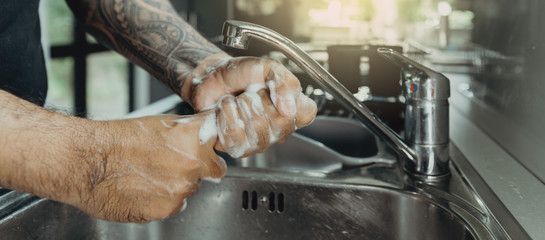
point(22, 67)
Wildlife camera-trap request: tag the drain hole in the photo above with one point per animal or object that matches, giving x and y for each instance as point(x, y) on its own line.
point(271, 202)
point(254, 200)
point(280, 202)
point(245, 200)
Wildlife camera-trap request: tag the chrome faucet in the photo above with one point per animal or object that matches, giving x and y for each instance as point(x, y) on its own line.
point(425, 152)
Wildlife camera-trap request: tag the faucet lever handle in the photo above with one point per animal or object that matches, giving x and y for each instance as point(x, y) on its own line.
point(419, 82)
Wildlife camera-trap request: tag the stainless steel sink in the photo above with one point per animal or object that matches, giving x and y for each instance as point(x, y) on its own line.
point(327, 144)
point(264, 209)
point(371, 202)
point(252, 205)
point(298, 190)
point(348, 137)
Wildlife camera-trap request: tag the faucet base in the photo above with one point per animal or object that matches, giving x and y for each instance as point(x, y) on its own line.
point(427, 178)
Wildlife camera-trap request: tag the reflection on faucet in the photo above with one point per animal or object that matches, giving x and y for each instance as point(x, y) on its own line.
point(423, 159)
point(426, 112)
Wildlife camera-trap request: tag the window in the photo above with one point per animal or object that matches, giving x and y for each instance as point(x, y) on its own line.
point(85, 79)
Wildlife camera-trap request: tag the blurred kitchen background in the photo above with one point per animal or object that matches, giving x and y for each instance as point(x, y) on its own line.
point(492, 50)
point(110, 80)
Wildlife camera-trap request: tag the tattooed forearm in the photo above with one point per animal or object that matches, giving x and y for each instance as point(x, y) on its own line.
point(149, 33)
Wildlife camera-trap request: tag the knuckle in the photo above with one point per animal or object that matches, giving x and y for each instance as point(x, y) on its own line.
point(234, 135)
point(260, 124)
point(219, 167)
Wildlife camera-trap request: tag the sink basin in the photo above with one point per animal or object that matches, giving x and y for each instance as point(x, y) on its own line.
point(247, 205)
point(327, 144)
point(376, 201)
point(282, 210)
point(298, 190)
point(348, 137)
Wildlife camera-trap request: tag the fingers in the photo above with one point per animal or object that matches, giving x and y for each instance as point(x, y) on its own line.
point(231, 133)
point(255, 118)
point(235, 75)
point(193, 138)
point(250, 123)
point(306, 110)
point(202, 88)
point(243, 124)
point(214, 168)
point(207, 93)
point(229, 78)
point(284, 88)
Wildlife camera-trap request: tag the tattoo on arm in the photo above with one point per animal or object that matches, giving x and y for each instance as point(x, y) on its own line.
point(149, 33)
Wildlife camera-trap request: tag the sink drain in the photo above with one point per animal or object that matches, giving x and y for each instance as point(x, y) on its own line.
point(274, 202)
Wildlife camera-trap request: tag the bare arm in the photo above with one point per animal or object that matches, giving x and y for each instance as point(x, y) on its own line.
point(37, 148)
point(133, 170)
point(149, 33)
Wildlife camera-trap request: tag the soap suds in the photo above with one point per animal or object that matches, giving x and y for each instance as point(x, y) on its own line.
point(184, 206)
point(184, 120)
point(239, 151)
point(171, 188)
point(246, 112)
point(273, 136)
point(220, 63)
point(212, 180)
point(197, 80)
point(243, 113)
point(221, 133)
point(272, 91)
point(288, 104)
point(255, 87)
point(255, 99)
point(187, 155)
point(230, 146)
point(257, 70)
point(233, 106)
point(165, 124)
point(251, 135)
point(285, 102)
point(211, 68)
point(257, 105)
point(141, 124)
point(208, 129)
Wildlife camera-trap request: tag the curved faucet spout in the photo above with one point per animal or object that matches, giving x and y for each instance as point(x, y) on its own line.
point(237, 34)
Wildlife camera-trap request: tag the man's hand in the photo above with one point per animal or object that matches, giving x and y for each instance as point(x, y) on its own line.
point(148, 168)
point(220, 75)
point(252, 104)
point(133, 170)
point(245, 104)
point(155, 163)
point(269, 105)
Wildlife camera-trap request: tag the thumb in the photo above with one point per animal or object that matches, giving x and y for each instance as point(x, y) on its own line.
point(284, 90)
point(214, 169)
point(306, 110)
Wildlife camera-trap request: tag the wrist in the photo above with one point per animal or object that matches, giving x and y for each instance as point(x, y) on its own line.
point(204, 68)
point(91, 148)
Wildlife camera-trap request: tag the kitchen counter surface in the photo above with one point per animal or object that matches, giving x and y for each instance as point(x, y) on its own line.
point(516, 187)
